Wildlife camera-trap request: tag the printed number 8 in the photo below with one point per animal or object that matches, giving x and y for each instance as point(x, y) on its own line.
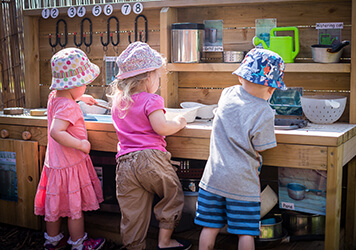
point(138, 8)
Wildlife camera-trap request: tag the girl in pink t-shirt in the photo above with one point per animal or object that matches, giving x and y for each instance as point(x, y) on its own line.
point(69, 184)
point(143, 164)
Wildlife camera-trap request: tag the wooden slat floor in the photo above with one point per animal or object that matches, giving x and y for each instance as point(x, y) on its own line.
point(108, 225)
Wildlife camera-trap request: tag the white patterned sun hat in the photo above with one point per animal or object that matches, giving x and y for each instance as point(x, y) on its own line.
point(138, 58)
point(71, 68)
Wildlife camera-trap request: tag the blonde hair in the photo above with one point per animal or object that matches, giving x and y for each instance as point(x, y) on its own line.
point(120, 91)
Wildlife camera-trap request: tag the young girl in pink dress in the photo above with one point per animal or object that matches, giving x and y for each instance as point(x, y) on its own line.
point(69, 184)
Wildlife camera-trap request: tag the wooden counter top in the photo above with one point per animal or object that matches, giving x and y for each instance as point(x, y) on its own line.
point(319, 147)
point(314, 134)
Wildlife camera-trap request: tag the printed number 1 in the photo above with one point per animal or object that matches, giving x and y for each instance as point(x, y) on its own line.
point(45, 13)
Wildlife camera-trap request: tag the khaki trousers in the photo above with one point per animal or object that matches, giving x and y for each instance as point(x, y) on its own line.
point(140, 175)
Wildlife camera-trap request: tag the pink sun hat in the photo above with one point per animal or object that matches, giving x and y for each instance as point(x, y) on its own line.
point(71, 68)
point(136, 59)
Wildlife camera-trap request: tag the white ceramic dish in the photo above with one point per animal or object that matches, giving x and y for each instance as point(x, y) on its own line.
point(92, 109)
point(323, 109)
point(204, 111)
point(188, 113)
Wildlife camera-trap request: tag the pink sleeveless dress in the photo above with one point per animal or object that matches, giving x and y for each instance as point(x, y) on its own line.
point(69, 183)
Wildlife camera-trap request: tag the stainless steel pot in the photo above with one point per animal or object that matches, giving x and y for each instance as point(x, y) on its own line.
point(233, 56)
point(303, 224)
point(328, 53)
point(187, 42)
point(297, 191)
point(271, 228)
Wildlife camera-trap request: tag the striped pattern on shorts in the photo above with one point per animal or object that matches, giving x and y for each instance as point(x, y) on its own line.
point(242, 217)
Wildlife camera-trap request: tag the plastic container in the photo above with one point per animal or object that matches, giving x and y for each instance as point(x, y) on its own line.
point(92, 109)
point(187, 42)
point(189, 113)
point(190, 202)
point(204, 111)
point(323, 109)
point(268, 200)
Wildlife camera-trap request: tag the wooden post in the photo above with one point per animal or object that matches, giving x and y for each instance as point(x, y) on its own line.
point(353, 65)
point(169, 80)
point(32, 65)
point(350, 225)
point(333, 198)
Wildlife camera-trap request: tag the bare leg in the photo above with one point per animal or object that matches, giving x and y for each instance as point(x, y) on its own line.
point(53, 228)
point(76, 228)
point(207, 238)
point(246, 242)
point(164, 238)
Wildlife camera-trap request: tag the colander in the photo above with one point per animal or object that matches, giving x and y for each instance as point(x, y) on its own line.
point(323, 109)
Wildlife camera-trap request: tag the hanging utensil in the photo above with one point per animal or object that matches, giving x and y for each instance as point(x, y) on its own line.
point(102, 106)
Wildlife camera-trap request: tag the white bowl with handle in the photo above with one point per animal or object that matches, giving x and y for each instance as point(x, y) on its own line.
point(92, 109)
point(204, 111)
point(188, 113)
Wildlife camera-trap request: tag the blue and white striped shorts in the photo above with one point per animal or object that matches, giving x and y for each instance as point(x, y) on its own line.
point(242, 217)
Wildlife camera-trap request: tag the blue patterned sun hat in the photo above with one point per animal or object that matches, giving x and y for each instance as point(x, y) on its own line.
point(263, 67)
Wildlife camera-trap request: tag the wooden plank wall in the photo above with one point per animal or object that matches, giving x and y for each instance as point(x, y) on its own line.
point(239, 23)
point(239, 29)
point(96, 55)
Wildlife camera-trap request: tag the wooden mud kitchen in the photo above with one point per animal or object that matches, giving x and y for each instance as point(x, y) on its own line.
point(329, 148)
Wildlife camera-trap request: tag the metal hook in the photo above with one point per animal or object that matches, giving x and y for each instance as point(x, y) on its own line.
point(81, 39)
point(50, 41)
point(129, 37)
point(65, 33)
point(146, 30)
point(90, 32)
point(117, 31)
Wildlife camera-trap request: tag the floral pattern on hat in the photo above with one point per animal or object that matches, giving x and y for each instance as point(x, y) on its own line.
point(71, 68)
point(263, 67)
point(136, 59)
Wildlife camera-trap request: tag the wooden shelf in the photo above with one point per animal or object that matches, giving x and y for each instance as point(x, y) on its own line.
point(230, 67)
point(175, 4)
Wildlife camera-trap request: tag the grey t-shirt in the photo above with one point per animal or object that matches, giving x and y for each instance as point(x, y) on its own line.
point(243, 125)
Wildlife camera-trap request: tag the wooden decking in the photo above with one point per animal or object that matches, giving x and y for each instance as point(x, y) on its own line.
point(108, 225)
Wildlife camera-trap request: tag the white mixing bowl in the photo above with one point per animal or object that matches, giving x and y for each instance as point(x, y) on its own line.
point(188, 113)
point(204, 111)
point(92, 109)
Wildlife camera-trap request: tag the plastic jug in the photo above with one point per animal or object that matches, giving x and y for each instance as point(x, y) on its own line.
point(282, 45)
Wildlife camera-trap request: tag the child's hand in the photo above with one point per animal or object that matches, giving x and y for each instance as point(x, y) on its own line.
point(88, 99)
point(181, 120)
point(85, 146)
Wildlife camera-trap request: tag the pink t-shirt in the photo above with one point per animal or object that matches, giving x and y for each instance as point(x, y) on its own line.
point(134, 131)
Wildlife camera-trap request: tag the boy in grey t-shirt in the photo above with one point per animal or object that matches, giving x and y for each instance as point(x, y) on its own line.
point(243, 126)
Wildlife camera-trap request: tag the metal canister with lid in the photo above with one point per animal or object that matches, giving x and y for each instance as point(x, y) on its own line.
point(187, 42)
